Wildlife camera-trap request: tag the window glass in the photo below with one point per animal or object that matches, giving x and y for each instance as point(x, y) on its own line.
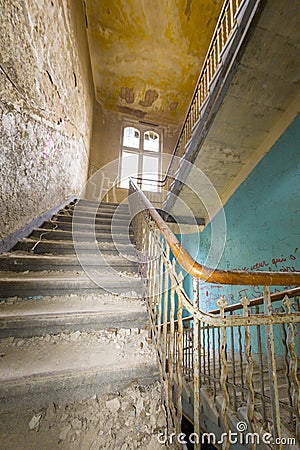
point(151, 171)
point(131, 137)
point(151, 141)
point(129, 168)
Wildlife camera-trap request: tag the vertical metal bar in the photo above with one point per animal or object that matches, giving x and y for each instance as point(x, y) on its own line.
point(197, 397)
point(218, 47)
point(204, 352)
point(231, 13)
point(293, 361)
point(165, 316)
point(160, 295)
point(249, 371)
point(287, 368)
point(214, 361)
point(219, 356)
point(261, 369)
point(200, 354)
point(151, 294)
point(227, 23)
point(171, 352)
point(233, 365)
point(241, 363)
point(208, 355)
point(179, 366)
point(272, 368)
point(224, 370)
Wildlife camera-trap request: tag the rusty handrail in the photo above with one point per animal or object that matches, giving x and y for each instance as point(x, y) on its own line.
point(216, 276)
point(275, 297)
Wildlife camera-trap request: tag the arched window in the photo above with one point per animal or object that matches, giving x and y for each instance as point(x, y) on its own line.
point(140, 157)
point(131, 137)
point(151, 141)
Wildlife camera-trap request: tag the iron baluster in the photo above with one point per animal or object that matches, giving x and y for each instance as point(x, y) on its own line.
point(272, 369)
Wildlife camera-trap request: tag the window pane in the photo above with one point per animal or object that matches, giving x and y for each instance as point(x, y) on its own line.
point(150, 170)
point(151, 141)
point(131, 137)
point(129, 168)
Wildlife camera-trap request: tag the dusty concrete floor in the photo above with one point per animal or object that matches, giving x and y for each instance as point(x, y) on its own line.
point(126, 420)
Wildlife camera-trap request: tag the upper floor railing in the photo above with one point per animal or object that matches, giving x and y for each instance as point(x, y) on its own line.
point(238, 360)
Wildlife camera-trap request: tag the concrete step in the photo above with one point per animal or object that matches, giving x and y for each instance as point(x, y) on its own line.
point(18, 263)
point(104, 219)
point(123, 209)
point(67, 247)
point(43, 315)
point(100, 213)
point(98, 227)
point(83, 236)
point(58, 283)
point(63, 368)
point(96, 203)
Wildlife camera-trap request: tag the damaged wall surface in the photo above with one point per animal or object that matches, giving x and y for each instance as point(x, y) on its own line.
point(46, 102)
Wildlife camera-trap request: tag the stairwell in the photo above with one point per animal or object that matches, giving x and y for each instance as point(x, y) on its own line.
point(76, 367)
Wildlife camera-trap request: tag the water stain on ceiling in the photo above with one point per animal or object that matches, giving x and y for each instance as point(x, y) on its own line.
point(146, 55)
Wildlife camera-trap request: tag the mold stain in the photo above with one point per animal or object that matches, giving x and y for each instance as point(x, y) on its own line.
point(150, 96)
point(188, 8)
point(127, 94)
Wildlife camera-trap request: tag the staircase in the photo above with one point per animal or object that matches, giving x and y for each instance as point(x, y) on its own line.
point(63, 337)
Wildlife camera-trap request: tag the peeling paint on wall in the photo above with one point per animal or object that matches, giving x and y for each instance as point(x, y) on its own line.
point(127, 94)
point(150, 96)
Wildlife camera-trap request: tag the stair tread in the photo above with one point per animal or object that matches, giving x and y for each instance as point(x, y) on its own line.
point(93, 260)
point(37, 357)
point(87, 245)
point(46, 305)
point(49, 274)
point(68, 232)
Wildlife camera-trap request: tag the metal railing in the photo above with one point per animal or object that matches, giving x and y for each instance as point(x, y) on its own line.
point(243, 357)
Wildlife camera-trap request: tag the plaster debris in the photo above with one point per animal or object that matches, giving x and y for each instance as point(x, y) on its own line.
point(113, 405)
point(128, 419)
point(35, 421)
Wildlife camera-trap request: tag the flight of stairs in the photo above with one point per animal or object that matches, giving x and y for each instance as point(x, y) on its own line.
point(63, 337)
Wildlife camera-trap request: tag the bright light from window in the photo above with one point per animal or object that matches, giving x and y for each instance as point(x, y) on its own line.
point(131, 137)
point(130, 164)
point(151, 141)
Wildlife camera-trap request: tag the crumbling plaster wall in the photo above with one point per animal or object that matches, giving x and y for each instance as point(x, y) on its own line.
point(46, 104)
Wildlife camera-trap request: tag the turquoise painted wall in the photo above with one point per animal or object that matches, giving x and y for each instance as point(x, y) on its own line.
point(263, 220)
point(263, 227)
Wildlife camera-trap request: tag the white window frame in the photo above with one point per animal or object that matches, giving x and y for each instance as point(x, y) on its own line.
point(140, 151)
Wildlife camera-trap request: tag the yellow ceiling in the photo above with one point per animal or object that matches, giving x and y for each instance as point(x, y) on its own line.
point(146, 55)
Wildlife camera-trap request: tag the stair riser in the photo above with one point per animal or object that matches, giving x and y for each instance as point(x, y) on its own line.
point(82, 219)
point(99, 215)
point(66, 248)
point(85, 322)
point(105, 228)
point(20, 266)
point(87, 237)
point(40, 391)
point(25, 289)
point(93, 203)
point(101, 208)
